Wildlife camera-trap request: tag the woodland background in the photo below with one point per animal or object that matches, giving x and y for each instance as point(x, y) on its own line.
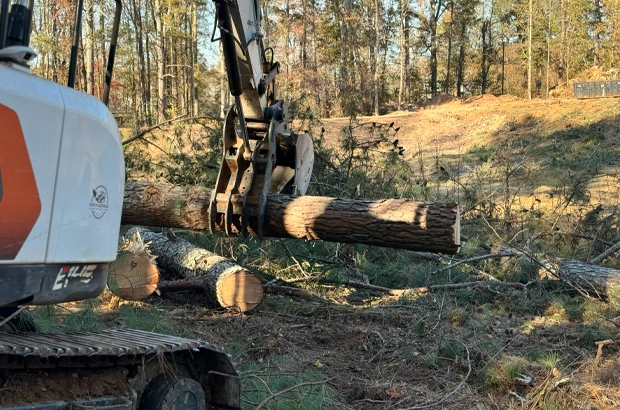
point(338, 58)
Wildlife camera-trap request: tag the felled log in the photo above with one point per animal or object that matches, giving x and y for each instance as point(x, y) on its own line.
point(187, 267)
point(395, 223)
point(132, 277)
point(598, 281)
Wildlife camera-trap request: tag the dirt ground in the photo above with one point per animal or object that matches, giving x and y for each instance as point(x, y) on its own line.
point(378, 353)
point(56, 385)
point(454, 125)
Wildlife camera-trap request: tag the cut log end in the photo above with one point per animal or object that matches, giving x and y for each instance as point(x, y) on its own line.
point(239, 290)
point(133, 276)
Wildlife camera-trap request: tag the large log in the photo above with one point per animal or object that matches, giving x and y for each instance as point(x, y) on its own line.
point(395, 223)
point(587, 277)
point(598, 281)
point(187, 267)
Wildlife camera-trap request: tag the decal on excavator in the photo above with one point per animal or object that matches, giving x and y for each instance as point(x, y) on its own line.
point(20, 204)
point(82, 273)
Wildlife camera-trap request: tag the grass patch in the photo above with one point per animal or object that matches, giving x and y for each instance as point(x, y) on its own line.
point(503, 373)
point(306, 389)
point(147, 318)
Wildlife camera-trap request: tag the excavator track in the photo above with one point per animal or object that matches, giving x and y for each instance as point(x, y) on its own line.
point(114, 370)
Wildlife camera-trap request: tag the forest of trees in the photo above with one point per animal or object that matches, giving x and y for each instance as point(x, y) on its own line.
point(338, 57)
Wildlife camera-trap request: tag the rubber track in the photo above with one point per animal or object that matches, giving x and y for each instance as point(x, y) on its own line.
point(108, 343)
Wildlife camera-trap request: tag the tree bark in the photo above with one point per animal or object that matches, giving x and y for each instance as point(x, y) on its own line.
point(375, 57)
point(396, 223)
point(160, 30)
point(404, 53)
point(90, 47)
point(461, 66)
point(187, 267)
point(593, 279)
point(529, 52)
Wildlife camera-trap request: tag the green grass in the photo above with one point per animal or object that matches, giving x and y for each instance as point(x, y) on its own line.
point(504, 372)
point(147, 318)
point(305, 389)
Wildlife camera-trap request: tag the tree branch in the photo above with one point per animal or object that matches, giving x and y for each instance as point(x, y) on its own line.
point(180, 118)
point(478, 258)
point(605, 254)
point(273, 396)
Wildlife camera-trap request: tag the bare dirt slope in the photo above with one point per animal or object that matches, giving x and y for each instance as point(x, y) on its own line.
point(454, 125)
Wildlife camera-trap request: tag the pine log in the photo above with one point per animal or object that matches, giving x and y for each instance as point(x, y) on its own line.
point(133, 276)
point(598, 281)
point(185, 266)
point(395, 223)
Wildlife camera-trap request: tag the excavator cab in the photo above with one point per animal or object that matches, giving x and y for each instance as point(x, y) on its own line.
point(62, 179)
point(62, 174)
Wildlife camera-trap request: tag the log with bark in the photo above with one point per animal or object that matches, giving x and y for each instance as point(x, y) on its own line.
point(187, 267)
point(594, 280)
point(395, 223)
point(134, 274)
point(586, 277)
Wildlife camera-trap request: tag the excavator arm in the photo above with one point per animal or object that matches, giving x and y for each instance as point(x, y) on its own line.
point(261, 154)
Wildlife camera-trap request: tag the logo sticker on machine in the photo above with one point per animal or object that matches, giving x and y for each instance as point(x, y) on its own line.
point(99, 202)
point(82, 273)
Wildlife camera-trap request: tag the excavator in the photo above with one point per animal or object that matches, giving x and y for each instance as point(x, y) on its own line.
point(61, 198)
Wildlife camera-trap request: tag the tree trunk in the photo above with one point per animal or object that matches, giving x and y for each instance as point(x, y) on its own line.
point(529, 52)
point(461, 66)
point(447, 84)
point(304, 34)
point(161, 60)
point(486, 26)
point(344, 61)
point(224, 283)
point(563, 39)
point(144, 91)
point(396, 223)
point(593, 279)
point(435, 13)
point(90, 47)
point(375, 57)
point(404, 55)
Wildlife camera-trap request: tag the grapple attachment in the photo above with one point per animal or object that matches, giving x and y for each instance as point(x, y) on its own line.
point(274, 161)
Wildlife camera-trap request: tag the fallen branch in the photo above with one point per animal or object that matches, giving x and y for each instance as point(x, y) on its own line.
point(605, 254)
point(180, 118)
point(273, 396)
point(420, 290)
point(502, 254)
point(599, 350)
point(286, 290)
point(12, 315)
